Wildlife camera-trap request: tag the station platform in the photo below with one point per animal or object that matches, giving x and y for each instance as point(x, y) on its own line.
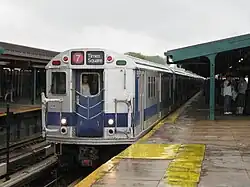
point(18, 108)
point(183, 150)
point(24, 123)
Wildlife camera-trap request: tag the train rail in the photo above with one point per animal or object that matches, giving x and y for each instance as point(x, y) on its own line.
point(37, 138)
point(75, 182)
point(62, 175)
point(27, 156)
point(25, 176)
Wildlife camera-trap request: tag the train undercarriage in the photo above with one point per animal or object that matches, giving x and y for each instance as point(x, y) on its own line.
point(87, 155)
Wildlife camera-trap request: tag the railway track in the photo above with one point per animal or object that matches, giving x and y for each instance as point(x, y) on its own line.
point(25, 177)
point(75, 182)
point(22, 143)
point(62, 177)
point(25, 156)
point(30, 158)
point(35, 165)
point(70, 174)
point(26, 167)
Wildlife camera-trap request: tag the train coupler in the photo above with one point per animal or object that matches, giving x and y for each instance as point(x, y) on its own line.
point(58, 149)
point(88, 156)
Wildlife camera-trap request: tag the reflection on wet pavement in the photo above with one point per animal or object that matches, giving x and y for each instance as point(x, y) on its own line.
point(150, 151)
point(185, 168)
point(135, 172)
point(188, 153)
point(98, 173)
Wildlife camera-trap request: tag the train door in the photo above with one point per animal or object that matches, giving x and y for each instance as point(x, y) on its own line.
point(142, 98)
point(171, 80)
point(1, 82)
point(159, 94)
point(174, 90)
point(89, 103)
point(170, 90)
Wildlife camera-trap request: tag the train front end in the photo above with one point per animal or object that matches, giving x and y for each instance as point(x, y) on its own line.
point(74, 110)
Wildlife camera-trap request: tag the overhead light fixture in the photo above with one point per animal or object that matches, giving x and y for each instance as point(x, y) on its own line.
point(170, 59)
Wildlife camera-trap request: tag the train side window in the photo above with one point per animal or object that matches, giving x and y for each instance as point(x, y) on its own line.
point(90, 83)
point(58, 85)
point(149, 87)
point(154, 87)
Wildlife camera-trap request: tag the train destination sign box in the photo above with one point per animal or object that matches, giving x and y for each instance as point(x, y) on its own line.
point(95, 58)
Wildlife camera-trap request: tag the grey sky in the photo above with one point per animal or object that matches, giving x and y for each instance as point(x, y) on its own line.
point(147, 26)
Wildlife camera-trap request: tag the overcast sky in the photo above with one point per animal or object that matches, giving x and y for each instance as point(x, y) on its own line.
point(147, 26)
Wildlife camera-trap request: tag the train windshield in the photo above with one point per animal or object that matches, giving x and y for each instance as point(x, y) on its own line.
point(58, 84)
point(90, 83)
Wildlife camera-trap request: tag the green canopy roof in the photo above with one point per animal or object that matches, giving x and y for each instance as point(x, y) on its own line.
point(1, 50)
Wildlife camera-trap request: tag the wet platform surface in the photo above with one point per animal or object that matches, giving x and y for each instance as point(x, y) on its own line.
point(188, 152)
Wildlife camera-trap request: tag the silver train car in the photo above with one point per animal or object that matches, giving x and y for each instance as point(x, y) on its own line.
point(96, 98)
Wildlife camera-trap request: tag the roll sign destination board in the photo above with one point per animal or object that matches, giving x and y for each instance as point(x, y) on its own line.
point(95, 57)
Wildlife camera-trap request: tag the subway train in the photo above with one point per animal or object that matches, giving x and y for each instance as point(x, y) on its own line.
point(97, 99)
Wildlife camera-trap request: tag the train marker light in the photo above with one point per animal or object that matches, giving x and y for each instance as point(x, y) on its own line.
point(110, 59)
point(56, 63)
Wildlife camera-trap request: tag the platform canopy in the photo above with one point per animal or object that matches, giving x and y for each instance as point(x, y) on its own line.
point(216, 57)
point(228, 53)
point(1, 50)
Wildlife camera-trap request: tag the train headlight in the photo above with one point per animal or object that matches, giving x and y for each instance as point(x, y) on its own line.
point(63, 121)
point(110, 121)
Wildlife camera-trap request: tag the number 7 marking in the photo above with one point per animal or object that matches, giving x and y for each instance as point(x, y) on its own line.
point(78, 56)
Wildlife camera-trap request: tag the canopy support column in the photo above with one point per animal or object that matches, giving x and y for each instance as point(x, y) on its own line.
point(34, 71)
point(212, 86)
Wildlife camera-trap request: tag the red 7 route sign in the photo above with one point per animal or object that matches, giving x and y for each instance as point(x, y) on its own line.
point(77, 57)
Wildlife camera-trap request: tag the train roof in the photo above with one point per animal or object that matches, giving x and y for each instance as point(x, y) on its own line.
point(132, 62)
point(145, 64)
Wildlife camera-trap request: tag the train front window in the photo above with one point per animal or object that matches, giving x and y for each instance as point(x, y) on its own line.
point(58, 84)
point(90, 84)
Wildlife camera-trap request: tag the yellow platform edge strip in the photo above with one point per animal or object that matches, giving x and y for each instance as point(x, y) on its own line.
point(107, 166)
point(150, 151)
point(184, 170)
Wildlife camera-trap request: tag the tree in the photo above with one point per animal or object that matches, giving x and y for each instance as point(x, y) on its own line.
point(156, 59)
point(137, 55)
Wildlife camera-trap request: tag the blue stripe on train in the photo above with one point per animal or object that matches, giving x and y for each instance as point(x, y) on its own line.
point(53, 118)
point(122, 119)
point(150, 111)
